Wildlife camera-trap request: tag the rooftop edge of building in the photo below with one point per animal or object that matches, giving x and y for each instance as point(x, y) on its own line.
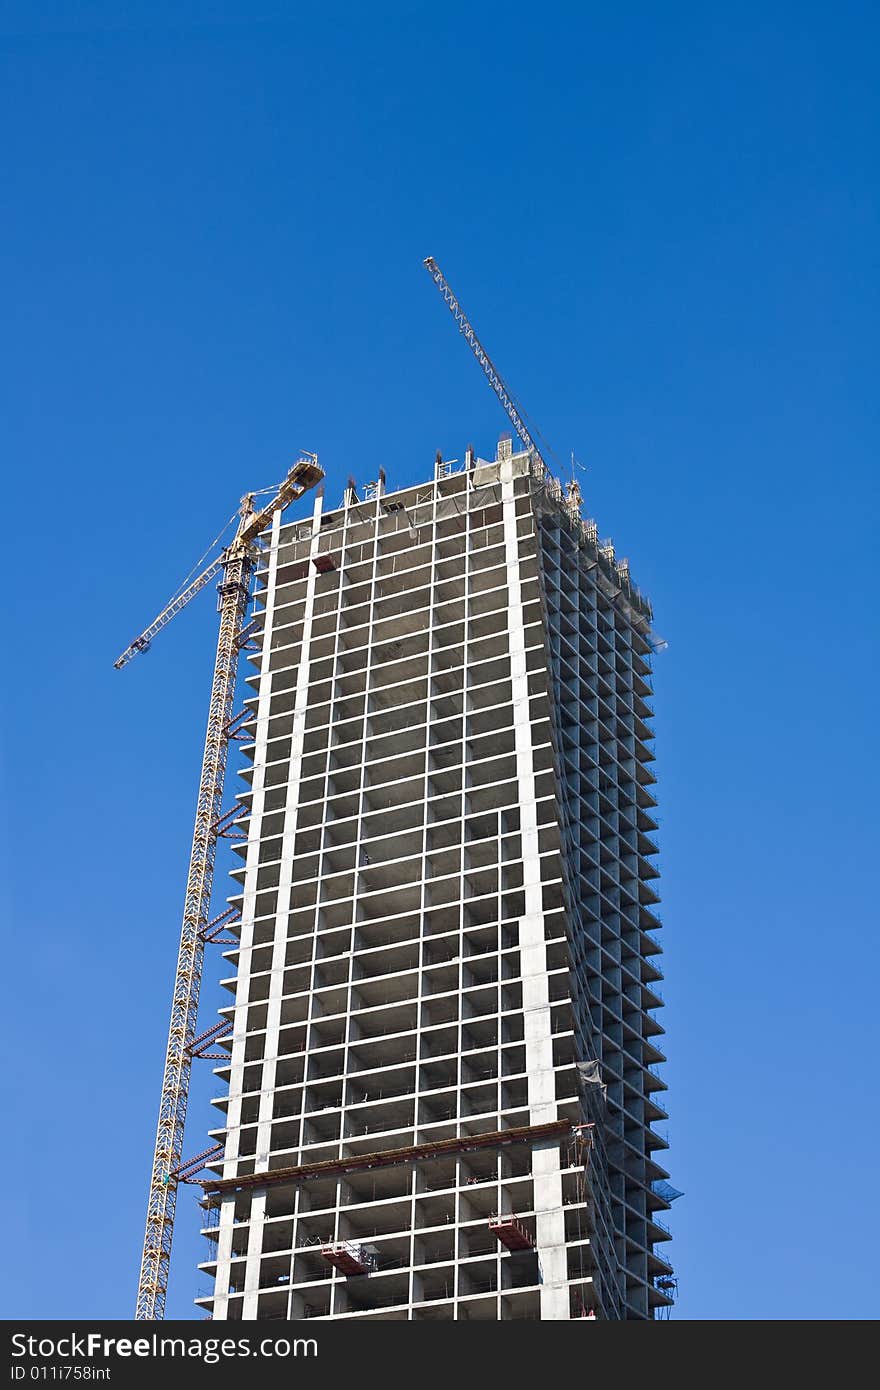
point(453, 476)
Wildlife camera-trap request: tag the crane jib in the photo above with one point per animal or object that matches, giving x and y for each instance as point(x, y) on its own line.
point(306, 473)
point(513, 411)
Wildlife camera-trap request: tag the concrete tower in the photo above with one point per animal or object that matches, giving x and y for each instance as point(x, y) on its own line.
point(442, 1075)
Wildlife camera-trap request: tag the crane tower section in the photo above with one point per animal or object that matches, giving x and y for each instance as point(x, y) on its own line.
point(237, 564)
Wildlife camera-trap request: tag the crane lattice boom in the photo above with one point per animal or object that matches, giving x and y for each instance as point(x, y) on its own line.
point(237, 563)
point(142, 643)
point(304, 475)
point(493, 376)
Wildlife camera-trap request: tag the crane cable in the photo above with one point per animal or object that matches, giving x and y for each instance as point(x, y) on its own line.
point(198, 564)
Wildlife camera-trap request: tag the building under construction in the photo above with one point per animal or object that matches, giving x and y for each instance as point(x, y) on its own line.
point(442, 1034)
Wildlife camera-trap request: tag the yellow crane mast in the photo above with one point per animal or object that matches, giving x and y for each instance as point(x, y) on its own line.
point(237, 563)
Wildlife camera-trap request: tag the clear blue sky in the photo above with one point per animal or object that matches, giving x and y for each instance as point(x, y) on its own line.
point(664, 222)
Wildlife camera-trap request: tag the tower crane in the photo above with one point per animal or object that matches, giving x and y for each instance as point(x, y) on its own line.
point(237, 563)
point(515, 413)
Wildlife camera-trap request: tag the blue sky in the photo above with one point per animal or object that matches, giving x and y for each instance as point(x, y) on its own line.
point(664, 223)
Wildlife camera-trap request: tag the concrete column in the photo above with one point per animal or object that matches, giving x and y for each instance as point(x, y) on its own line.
point(233, 1114)
point(279, 947)
point(549, 1214)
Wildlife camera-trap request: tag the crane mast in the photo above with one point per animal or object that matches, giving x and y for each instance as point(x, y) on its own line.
point(514, 412)
point(237, 562)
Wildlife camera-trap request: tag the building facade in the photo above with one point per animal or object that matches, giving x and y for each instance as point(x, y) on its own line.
point(442, 1075)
